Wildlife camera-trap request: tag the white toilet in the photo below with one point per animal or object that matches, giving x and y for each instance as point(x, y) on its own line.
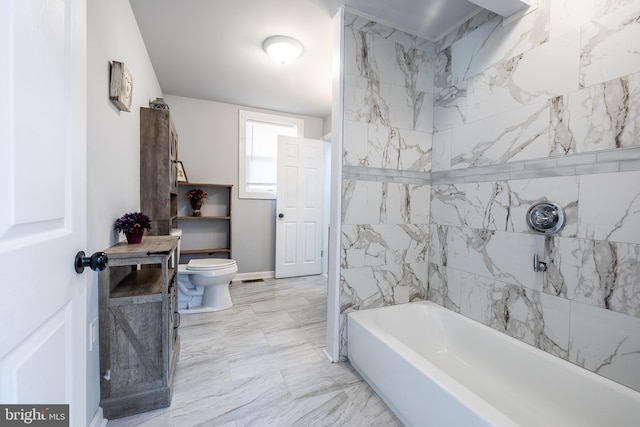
point(203, 284)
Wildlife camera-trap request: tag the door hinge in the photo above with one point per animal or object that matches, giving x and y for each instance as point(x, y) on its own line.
point(321, 254)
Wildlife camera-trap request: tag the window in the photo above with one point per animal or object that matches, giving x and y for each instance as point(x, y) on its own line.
point(258, 167)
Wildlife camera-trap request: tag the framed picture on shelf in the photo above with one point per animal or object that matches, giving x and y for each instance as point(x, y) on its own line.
point(182, 175)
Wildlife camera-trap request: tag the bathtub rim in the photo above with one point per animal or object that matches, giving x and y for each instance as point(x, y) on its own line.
point(451, 385)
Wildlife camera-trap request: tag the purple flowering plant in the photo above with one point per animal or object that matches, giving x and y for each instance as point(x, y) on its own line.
point(133, 223)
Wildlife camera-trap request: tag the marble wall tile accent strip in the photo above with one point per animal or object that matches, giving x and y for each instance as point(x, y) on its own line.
point(577, 160)
point(617, 160)
point(528, 315)
point(606, 343)
point(385, 175)
point(600, 168)
point(618, 154)
point(632, 165)
point(544, 173)
point(623, 159)
point(609, 47)
point(599, 273)
point(538, 75)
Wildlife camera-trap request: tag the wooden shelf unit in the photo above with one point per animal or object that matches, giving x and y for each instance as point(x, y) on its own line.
point(216, 216)
point(139, 320)
point(158, 170)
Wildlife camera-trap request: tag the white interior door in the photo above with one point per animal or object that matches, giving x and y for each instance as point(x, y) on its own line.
point(299, 207)
point(42, 220)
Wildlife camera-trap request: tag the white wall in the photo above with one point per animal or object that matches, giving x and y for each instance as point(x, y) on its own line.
point(208, 148)
point(113, 149)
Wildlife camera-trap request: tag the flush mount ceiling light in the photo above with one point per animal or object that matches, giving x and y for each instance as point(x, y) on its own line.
point(283, 50)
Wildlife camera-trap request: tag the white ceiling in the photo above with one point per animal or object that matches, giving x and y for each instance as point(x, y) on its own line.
point(212, 49)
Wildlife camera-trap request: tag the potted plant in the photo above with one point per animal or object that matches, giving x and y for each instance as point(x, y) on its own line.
point(133, 225)
point(196, 197)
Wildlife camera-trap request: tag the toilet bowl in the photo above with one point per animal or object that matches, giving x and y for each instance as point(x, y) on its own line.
point(203, 284)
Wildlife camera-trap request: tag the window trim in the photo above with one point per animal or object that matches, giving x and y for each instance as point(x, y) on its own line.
point(243, 117)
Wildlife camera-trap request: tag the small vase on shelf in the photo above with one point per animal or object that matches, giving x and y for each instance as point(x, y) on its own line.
point(196, 205)
point(196, 198)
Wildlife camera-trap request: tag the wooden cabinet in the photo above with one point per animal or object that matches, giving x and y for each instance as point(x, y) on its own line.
point(139, 340)
point(158, 169)
point(209, 234)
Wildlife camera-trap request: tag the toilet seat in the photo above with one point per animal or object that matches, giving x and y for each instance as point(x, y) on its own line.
point(210, 264)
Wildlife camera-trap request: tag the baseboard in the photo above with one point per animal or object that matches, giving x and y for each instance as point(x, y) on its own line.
point(328, 356)
point(98, 419)
point(253, 276)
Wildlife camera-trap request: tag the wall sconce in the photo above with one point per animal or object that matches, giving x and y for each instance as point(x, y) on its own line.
point(283, 50)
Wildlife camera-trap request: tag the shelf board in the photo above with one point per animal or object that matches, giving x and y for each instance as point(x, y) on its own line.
point(204, 184)
point(147, 281)
point(203, 217)
point(205, 251)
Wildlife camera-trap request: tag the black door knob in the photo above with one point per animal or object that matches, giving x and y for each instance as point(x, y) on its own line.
point(97, 262)
point(280, 215)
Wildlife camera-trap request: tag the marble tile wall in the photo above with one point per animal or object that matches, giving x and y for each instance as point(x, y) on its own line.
point(545, 107)
point(388, 126)
point(446, 146)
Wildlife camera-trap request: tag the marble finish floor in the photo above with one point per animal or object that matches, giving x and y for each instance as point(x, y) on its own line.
point(261, 363)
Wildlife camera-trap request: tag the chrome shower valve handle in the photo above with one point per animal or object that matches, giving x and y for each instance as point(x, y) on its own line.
point(546, 217)
point(538, 266)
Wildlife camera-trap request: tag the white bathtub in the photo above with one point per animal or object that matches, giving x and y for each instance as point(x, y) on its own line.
point(434, 367)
